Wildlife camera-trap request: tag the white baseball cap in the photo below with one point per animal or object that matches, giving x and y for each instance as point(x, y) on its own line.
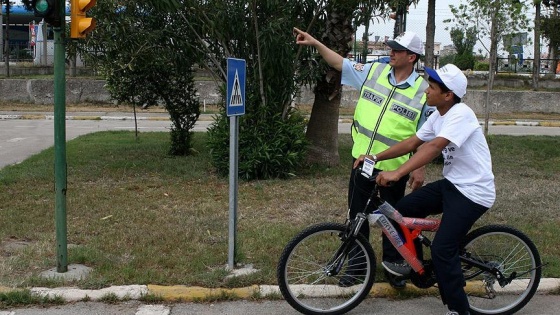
point(450, 76)
point(407, 41)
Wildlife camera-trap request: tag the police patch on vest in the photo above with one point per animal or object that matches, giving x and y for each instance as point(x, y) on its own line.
point(402, 111)
point(370, 96)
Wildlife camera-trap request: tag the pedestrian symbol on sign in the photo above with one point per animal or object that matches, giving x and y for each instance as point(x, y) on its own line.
point(236, 97)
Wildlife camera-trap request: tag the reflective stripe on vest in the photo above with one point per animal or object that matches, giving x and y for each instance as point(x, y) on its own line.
point(386, 115)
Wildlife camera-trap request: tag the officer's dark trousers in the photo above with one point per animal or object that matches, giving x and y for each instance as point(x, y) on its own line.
point(358, 193)
point(458, 215)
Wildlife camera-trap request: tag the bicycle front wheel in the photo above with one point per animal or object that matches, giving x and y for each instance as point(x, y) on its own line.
point(515, 255)
point(320, 273)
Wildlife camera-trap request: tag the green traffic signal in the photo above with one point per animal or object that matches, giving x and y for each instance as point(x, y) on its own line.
point(48, 10)
point(42, 6)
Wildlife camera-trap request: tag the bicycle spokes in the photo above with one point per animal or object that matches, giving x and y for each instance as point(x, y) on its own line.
point(501, 269)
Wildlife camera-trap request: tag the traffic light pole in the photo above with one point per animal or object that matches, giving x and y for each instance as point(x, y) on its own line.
point(60, 167)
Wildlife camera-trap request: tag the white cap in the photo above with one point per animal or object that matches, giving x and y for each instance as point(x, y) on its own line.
point(407, 41)
point(450, 76)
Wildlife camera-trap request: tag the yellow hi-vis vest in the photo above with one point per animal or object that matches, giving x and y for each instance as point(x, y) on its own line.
point(386, 115)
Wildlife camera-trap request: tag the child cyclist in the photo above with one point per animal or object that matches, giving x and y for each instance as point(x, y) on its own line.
point(462, 196)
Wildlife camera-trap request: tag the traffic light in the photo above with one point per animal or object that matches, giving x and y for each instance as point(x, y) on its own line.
point(80, 24)
point(49, 10)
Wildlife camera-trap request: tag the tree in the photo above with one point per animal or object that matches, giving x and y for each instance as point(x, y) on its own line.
point(337, 34)
point(550, 26)
point(430, 33)
point(147, 58)
point(271, 133)
point(322, 129)
point(537, 45)
point(506, 17)
point(464, 41)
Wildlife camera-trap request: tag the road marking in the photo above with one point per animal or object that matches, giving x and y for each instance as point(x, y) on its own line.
point(153, 310)
point(132, 128)
point(13, 140)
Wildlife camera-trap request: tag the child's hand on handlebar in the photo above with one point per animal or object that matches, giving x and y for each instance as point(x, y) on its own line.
point(387, 178)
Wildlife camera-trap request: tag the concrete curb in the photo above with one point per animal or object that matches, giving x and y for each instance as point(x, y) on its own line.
point(210, 118)
point(181, 293)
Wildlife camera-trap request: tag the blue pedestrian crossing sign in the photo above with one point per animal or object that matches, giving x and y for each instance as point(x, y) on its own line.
point(235, 99)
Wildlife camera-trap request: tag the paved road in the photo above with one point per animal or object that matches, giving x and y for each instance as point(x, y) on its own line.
point(539, 305)
point(21, 138)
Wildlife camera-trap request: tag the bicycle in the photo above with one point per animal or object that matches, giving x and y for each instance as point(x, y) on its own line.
point(501, 265)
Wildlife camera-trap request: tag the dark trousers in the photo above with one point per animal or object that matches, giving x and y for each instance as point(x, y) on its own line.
point(358, 193)
point(459, 215)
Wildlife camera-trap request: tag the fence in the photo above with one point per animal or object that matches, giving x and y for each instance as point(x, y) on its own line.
point(20, 52)
point(514, 65)
point(385, 59)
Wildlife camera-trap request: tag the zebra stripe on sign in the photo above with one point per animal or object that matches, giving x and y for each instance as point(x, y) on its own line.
point(236, 97)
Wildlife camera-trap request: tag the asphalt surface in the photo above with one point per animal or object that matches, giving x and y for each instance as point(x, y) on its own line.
point(539, 305)
point(25, 133)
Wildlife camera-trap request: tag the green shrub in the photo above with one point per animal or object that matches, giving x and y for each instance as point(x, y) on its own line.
point(481, 66)
point(269, 146)
point(464, 61)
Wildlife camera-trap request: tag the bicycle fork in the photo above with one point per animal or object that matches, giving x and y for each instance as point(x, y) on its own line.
point(337, 262)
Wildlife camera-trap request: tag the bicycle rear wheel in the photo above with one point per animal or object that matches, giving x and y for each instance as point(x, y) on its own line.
point(515, 255)
point(307, 272)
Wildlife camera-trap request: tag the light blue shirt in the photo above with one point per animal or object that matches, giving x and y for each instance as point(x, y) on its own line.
point(355, 74)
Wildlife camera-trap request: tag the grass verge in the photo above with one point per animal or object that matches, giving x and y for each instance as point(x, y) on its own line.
point(25, 297)
point(139, 216)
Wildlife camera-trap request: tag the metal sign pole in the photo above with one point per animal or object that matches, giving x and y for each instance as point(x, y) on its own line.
point(233, 189)
point(235, 106)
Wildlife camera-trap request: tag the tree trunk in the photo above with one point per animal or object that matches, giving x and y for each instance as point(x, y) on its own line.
point(430, 34)
point(8, 4)
point(537, 47)
point(322, 130)
point(492, 68)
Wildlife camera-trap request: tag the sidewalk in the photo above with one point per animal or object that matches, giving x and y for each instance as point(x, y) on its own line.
point(94, 115)
point(188, 294)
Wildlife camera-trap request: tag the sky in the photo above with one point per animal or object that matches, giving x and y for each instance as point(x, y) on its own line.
point(416, 21)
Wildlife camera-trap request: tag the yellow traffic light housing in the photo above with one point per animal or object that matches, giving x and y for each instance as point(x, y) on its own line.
point(80, 24)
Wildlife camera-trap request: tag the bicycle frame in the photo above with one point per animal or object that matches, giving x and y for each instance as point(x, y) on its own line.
point(411, 229)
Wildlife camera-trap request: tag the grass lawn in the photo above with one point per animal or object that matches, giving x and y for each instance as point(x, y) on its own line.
point(139, 216)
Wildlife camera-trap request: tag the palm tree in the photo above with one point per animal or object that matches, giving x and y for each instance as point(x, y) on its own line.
point(322, 130)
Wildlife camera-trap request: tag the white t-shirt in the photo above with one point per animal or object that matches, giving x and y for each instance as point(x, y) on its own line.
point(467, 161)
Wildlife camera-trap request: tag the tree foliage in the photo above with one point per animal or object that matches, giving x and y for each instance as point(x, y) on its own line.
point(464, 41)
point(146, 56)
point(550, 29)
point(510, 17)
